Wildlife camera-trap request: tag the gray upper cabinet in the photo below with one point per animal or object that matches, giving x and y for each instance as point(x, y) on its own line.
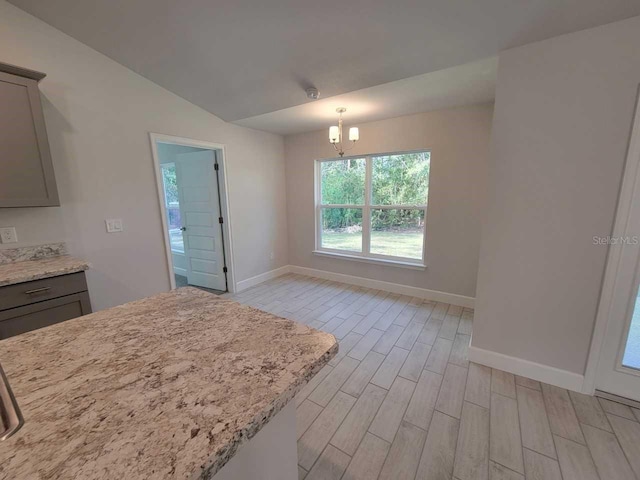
point(26, 171)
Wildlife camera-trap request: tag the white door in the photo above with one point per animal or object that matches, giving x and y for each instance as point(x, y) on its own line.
point(200, 211)
point(618, 370)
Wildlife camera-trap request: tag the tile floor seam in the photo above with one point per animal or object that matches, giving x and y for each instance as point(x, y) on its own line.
point(547, 456)
point(383, 460)
point(528, 388)
point(576, 443)
point(505, 467)
point(580, 424)
point(491, 393)
point(372, 418)
point(617, 441)
point(546, 415)
point(329, 441)
point(620, 416)
point(524, 468)
point(476, 404)
point(404, 412)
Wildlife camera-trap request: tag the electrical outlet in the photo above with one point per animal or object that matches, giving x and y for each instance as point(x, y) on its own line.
point(8, 235)
point(271, 256)
point(114, 225)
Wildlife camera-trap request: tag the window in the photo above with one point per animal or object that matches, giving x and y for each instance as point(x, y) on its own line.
point(172, 205)
point(373, 207)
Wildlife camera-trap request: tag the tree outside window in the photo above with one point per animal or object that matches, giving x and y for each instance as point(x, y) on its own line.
point(374, 206)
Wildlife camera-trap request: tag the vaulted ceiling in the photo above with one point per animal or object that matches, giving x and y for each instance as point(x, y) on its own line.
point(246, 58)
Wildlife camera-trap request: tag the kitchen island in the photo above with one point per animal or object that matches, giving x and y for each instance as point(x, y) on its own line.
point(172, 386)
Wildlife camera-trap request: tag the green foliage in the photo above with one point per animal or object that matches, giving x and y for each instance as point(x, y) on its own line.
point(400, 179)
point(341, 218)
point(343, 182)
point(396, 180)
point(170, 183)
point(396, 219)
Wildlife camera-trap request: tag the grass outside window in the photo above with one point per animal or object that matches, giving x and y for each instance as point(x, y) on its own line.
point(373, 206)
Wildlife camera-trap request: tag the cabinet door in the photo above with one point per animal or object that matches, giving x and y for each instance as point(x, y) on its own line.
point(38, 315)
point(27, 178)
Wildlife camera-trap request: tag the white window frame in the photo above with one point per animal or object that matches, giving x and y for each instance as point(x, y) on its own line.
point(367, 207)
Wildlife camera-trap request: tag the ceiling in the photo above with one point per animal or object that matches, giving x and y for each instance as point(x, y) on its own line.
point(463, 85)
point(245, 58)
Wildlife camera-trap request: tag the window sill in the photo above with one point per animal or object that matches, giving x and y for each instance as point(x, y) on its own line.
point(378, 261)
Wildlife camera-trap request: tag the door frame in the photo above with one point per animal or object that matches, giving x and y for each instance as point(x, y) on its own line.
point(221, 157)
point(629, 188)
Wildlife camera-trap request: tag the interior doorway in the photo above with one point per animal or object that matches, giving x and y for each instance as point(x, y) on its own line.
point(193, 201)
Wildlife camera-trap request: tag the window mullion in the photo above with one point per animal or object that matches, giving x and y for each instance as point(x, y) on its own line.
point(399, 207)
point(318, 201)
point(366, 211)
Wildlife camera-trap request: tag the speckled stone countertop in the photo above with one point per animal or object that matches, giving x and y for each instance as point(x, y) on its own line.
point(18, 272)
point(32, 252)
point(165, 387)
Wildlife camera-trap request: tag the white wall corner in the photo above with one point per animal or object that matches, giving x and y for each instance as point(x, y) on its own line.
point(525, 368)
point(424, 293)
point(263, 277)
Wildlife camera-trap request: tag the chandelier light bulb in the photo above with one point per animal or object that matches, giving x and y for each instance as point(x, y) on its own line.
point(354, 134)
point(334, 134)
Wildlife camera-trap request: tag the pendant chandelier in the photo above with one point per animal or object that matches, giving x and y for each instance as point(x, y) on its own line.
point(335, 134)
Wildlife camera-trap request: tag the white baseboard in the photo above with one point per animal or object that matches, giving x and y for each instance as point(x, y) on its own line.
point(525, 368)
point(434, 295)
point(263, 277)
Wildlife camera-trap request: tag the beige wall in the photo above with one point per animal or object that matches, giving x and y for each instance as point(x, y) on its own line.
point(562, 120)
point(99, 115)
point(459, 143)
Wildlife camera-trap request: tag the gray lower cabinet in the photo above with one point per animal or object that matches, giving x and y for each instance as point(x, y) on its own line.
point(32, 305)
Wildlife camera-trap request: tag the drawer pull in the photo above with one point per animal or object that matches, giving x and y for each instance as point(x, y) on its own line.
point(37, 290)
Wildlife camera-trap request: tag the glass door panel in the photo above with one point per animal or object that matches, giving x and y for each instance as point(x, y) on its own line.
point(631, 355)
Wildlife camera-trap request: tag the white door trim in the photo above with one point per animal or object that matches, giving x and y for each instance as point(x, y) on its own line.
point(221, 157)
point(630, 186)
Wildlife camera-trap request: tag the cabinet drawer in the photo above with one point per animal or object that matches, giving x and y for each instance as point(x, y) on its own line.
point(13, 296)
point(31, 317)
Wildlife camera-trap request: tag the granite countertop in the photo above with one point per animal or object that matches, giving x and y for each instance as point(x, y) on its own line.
point(25, 271)
point(164, 387)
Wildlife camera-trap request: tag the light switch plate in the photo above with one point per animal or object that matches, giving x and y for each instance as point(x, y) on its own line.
point(114, 225)
point(8, 235)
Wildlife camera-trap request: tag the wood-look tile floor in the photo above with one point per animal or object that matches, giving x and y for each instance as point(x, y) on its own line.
point(401, 400)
